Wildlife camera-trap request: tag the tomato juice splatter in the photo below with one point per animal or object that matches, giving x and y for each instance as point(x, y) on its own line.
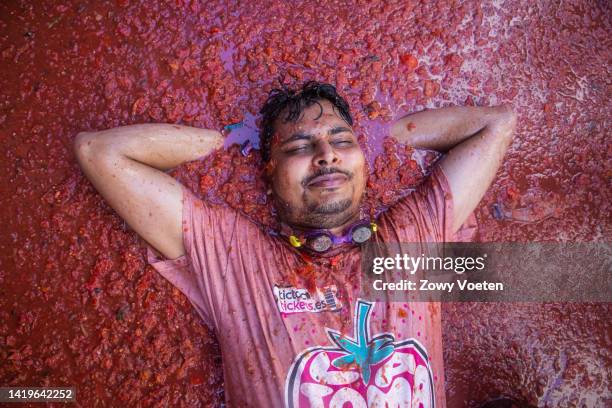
point(80, 307)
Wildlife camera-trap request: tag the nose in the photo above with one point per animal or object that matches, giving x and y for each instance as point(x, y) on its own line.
point(325, 155)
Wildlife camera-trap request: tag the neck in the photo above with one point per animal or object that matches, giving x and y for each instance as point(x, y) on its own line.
point(341, 228)
point(338, 229)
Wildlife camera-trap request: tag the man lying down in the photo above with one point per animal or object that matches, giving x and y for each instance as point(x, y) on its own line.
point(285, 340)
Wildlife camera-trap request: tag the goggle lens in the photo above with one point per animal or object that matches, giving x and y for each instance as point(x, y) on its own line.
point(361, 234)
point(321, 243)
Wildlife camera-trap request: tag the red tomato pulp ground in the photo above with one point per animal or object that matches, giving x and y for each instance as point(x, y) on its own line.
point(80, 307)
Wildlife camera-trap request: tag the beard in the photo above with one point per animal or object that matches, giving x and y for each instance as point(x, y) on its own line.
point(317, 211)
point(317, 215)
point(324, 215)
point(334, 207)
point(328, 215)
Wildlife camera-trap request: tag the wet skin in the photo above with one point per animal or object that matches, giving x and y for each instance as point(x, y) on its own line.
point(317, 170)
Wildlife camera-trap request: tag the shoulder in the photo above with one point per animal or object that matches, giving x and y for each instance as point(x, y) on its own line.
point(424, 213)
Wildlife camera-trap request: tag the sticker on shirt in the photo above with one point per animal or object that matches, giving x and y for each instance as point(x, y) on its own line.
point(295, 300)
point(365, 370)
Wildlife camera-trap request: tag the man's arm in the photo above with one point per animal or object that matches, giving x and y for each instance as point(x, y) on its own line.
point(476, 139)
point(126, 165)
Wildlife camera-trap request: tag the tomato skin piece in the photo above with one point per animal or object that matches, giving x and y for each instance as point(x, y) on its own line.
point(409, 61)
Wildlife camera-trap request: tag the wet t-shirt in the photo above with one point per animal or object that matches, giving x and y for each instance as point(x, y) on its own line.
point(294, 328)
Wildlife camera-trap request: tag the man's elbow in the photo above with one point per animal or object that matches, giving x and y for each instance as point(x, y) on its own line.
point(88, 146)
point(82, 144)
point(505, 123)
point(512, 119)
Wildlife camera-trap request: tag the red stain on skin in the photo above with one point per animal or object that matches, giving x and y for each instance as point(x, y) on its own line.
point(270, 167)
point(276, 139)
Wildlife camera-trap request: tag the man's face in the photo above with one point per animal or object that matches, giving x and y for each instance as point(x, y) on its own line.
point(317, 169)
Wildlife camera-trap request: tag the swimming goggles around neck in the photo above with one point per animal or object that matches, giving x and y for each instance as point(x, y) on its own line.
point(322, 240)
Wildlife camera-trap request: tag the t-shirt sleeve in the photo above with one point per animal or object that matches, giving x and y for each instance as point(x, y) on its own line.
point(427, 212)
point(178, 272)
point(183, 272)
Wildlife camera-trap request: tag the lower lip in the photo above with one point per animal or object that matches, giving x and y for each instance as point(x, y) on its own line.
point(335, 182)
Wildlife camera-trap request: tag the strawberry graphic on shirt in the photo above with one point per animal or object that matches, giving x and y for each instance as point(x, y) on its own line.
point(364, 371)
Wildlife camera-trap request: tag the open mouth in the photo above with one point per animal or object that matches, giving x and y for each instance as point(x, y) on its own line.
point(328, 180)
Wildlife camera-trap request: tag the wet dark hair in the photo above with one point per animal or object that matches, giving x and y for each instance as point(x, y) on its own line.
point(295, 101)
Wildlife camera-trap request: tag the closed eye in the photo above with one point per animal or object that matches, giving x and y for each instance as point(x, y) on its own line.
point(297, 149)
point(343, 142)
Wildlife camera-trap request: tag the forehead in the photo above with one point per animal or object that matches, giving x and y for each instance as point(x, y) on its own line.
point(321, 113)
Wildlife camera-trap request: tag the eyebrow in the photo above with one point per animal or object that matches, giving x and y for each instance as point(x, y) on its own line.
point(308, 136)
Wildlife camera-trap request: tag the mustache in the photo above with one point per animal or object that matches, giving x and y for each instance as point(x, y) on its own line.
point(324, 171)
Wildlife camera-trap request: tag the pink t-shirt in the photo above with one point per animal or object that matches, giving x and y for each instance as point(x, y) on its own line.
point(292, 328)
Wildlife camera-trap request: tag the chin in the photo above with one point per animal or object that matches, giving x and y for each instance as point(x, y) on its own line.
point(330, 207)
